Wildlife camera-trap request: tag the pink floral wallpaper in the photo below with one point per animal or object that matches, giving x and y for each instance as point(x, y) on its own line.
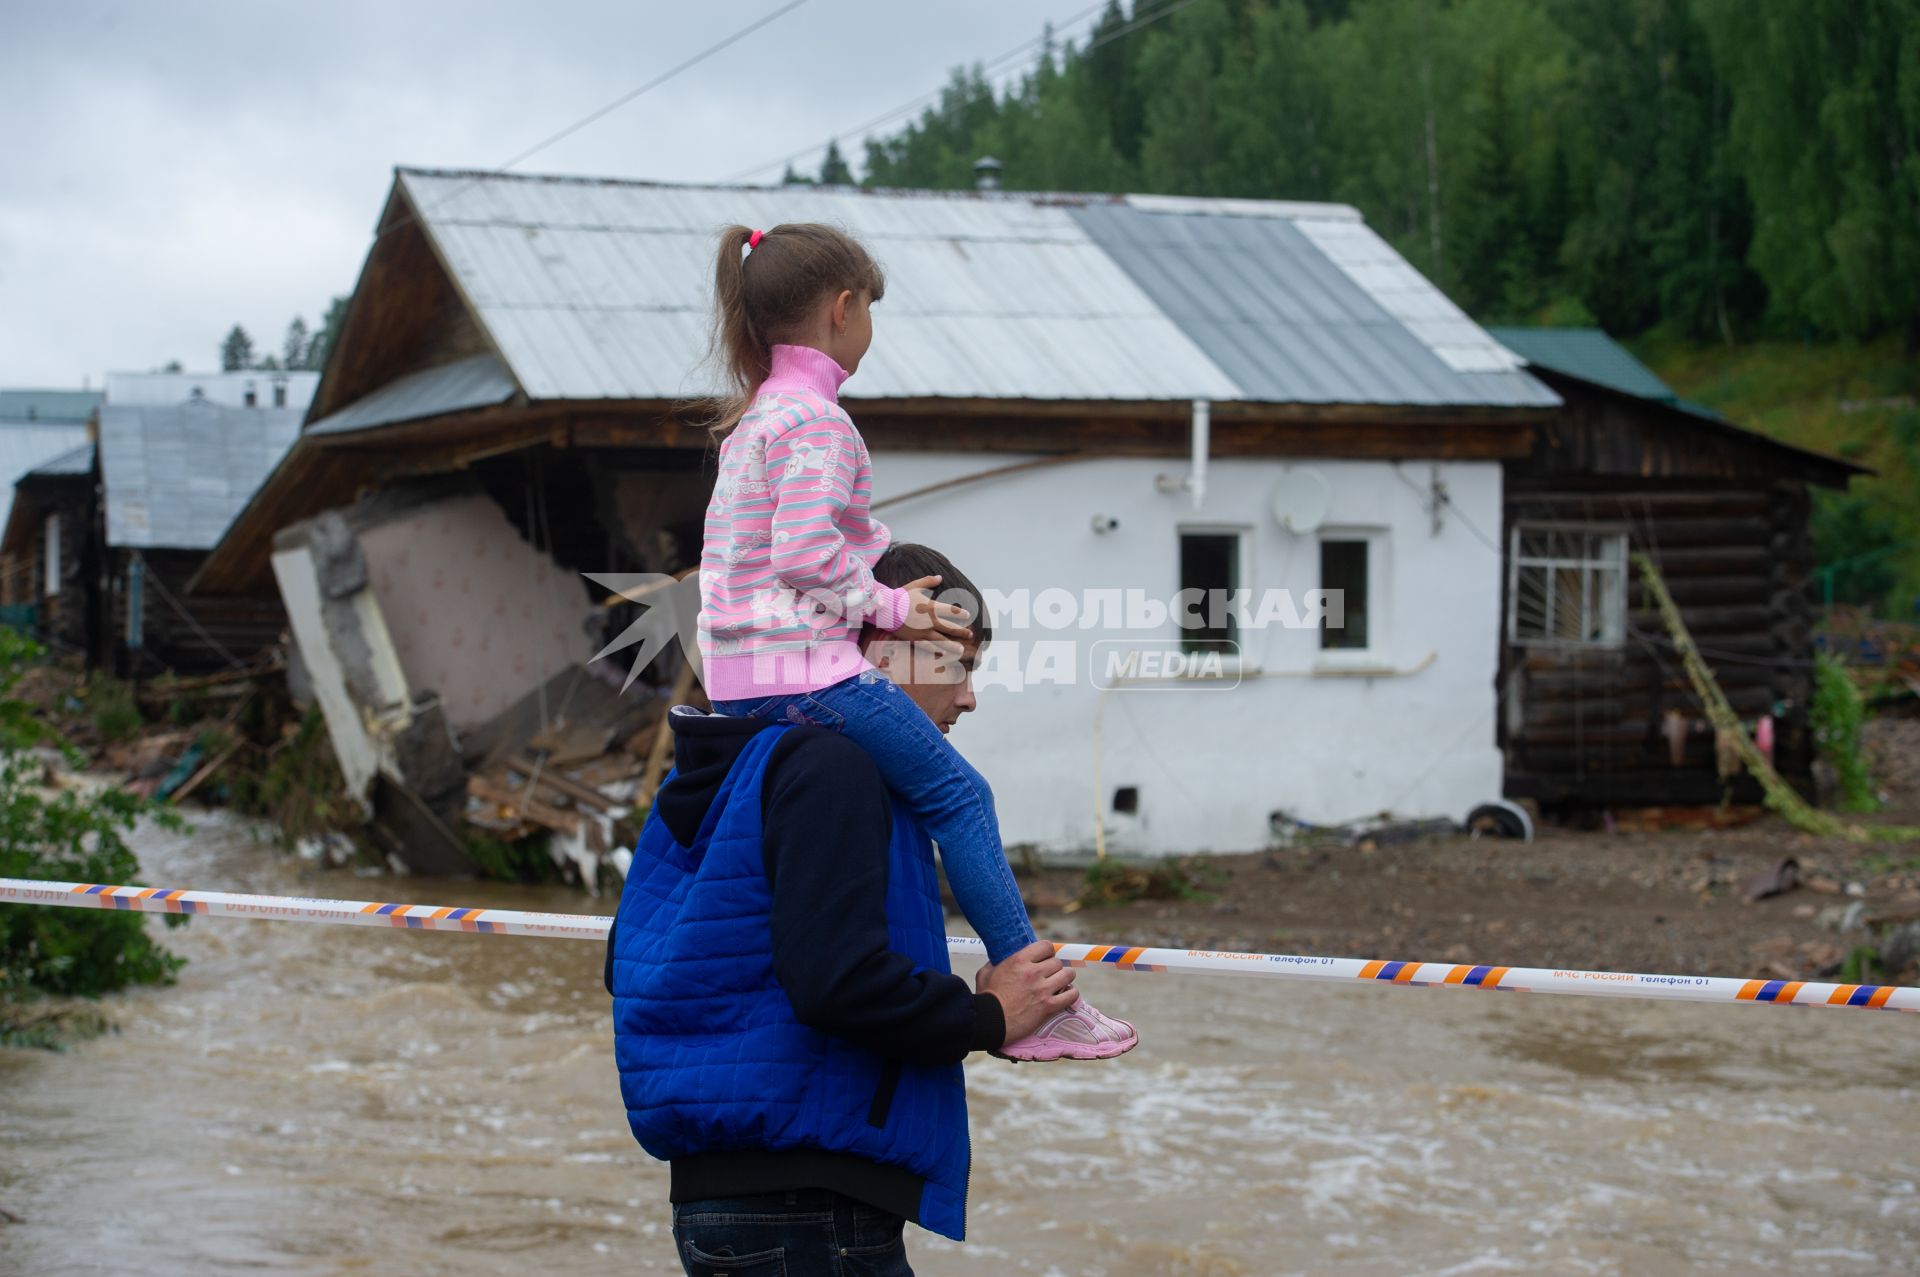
point(477, 614)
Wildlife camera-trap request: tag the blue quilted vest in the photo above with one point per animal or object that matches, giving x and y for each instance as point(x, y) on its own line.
point(711, 1057)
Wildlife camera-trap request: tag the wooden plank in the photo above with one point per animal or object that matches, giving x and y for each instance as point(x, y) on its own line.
point(178, 687)
point(212, 765)
point(1646, 787)
point(1532, 499)
point(523, 805)
point(1713, 560)
point(1630, 702)
point(1666, 533)
point(1707, 591)
point(561, 784)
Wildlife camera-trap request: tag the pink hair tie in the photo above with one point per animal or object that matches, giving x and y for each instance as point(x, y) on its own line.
point(753, 240)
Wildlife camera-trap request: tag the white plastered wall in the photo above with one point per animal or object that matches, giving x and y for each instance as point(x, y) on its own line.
point(1414, 735)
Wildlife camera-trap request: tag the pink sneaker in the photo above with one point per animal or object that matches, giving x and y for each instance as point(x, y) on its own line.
point(1078, 1033)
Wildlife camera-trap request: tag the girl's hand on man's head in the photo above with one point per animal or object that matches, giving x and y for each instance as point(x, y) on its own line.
point(928, 616)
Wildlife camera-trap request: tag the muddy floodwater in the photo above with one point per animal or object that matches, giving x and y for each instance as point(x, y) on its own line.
point(344, 1100)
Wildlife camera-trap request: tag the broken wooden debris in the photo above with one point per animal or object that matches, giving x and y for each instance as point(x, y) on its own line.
point(571, 788)
point(520, 805)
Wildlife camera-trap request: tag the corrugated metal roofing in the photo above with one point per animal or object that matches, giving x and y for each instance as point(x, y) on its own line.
point(175, 477)
point(1304, 304)
point(473, 382)
point(71, 407)
point(598, 289)
point(27, 444)
point(1586, 353)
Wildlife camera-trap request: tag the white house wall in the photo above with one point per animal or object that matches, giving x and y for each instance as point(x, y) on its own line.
point(357, 751)
point(477, 615)
point(1305, 736)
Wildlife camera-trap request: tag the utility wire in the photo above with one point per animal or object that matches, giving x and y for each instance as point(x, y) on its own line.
point(993, 64)
point(990, 66)
point(589, 118)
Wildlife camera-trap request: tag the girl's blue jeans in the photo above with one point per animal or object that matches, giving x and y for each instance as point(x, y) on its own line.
point(950, 798)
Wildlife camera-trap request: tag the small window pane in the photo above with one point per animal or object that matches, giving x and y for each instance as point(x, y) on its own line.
point(1569, 603)
point(1209, 562)
point(1343, 567)
point(1608, 607)
point(1569, 586)
point(1530, 603)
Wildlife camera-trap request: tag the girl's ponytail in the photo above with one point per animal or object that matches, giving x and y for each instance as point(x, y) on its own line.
point(744, 355)
point(761, 296)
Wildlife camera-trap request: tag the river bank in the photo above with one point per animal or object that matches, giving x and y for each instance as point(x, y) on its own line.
point(330, 1100)
point(1658, 901)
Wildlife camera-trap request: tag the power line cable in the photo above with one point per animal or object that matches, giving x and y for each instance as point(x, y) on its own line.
point(581, 123)
point(991, 65)
point(905, 108)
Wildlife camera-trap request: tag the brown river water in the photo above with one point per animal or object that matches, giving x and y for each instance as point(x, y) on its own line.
point(315, 1099)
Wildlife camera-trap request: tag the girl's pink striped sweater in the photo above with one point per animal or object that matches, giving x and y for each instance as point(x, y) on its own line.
point(786, 571)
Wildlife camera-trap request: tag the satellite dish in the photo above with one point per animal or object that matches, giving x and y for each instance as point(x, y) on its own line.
point(1300, 500)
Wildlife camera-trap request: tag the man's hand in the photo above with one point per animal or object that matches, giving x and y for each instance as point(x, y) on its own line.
point(925, 616)
point(1032, 985)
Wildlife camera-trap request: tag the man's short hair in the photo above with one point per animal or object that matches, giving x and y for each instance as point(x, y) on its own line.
point(906, 561)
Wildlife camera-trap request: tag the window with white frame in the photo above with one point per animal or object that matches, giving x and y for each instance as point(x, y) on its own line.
point(1567, 584)
point(1352, 573)
point(1210, 574)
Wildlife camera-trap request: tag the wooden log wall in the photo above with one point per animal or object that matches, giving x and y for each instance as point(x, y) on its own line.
point(63, 607)
point(1587, 726)
point(223, 629)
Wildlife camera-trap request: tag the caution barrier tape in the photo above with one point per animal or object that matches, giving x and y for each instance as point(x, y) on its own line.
point(1286, 966)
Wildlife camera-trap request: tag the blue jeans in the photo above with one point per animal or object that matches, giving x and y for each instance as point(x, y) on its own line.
point(809, 1232)
point(948, 795)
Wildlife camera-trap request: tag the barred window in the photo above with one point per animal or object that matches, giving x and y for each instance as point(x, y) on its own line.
point(1567, 584)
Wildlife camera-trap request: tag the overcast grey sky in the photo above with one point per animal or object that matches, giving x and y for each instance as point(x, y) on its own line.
point(173, 167)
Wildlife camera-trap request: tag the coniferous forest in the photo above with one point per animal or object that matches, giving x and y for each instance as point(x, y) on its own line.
point(1725, 166)
point(1687, 174)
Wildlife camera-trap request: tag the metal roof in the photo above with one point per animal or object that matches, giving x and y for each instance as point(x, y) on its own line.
point(25, 445)
point(1304, 304)
point(1586, 353)
point(599, 289)
point(70, 407)
point(473, 382)
point(176, 476)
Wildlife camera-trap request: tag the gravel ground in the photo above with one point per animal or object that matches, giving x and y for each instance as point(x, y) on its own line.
point(1631, 901)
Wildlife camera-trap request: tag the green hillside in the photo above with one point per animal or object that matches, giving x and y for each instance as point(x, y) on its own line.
point(1857, 401)
point(1727, 179)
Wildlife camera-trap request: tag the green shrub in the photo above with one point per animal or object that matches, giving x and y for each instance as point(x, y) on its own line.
point(116, 715)
point(73, 838)
point(1838, 714)
point(523, 860)
point(298, 787)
